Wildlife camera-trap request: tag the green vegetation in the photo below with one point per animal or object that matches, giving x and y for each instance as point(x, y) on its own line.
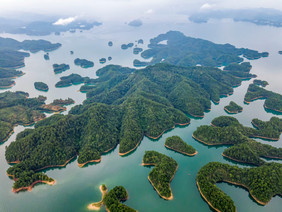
point(122, 106)
point(46, 56)
point(186, 51)
point(6, 75)
point(41, 86)
point(137, 50)
point(110, 58)
point(227, 130)
point(250, 152)
point(12, 59)
point(71, 52)
point(177, 144)
point(59, 68)
point(114, 198)
point(16, 108)
point(57, 105)
point(261, 83)
point(140, 41)
point(273, 100)
point(72, 79)
point(126, 46)
point(83, 63)
point(240, 70)
point(102, 60)
point(263, 183)
point(233, 108)
point(28, 179)
point(163, 172)
point(110, 43)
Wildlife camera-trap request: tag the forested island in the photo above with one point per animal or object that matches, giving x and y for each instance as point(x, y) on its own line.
point(102, 60)
point(72, 79)
point(41, 86)
point(83, 63)
point(137, 50)
point(261, 83)
point(59, 68)
point(11, 58)
point(57, 105)
point(177, 144)
point(122, 105)
point(241, 70)
point(187, 51)
point(162, 174)
point(17, 109)
point(7, 75)
point(233, 108)
point(126, 46)
point(273, 101)
point(262, 182)
point(227, 130)
point(110, 43)
point(251, 151)
point(46, 56)
point(112, 200)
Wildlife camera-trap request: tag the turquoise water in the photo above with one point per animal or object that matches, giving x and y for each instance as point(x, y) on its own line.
point(76, 187)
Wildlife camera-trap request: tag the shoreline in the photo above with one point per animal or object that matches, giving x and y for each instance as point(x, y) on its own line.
point(93, 206)
point(8, 136)
point(155, 138)
point(29, 188)
point(253, 99)
point(95, 161)
point(209, 143)
point(207, 199)
point(240, 161)
point(90, 161)
point(166, 198)
point(233, 112)
point(8, 86)
point(131, 150)
point(55, 166)
point(242, 185)
point(279, 111)
point(184, 153)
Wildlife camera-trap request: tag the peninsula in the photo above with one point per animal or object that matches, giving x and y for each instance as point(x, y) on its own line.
point(273, 101)
point(262, 183)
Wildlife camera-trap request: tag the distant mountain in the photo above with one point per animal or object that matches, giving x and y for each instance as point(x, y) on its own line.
point(258, 16)
point(40, 27)
point(135, 23)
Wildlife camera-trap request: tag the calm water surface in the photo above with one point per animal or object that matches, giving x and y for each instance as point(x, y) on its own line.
point(76, 187)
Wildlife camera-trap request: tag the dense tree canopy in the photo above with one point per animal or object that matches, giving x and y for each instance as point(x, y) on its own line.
point(163, 172)
point(263, 183)
point(177, 144)
point(187, 51)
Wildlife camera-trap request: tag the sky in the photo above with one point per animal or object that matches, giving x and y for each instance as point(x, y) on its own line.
point(125, 10)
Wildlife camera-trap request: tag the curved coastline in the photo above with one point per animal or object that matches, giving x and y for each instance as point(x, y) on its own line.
point(97, 205)
point(232, 112)
point(208, 143)
point(184, 153)
point(251, 100)
point(239, 161)
point(155, 138)
point(207, 199)
point(279, 111)
point(29, 188)
point(166, 198)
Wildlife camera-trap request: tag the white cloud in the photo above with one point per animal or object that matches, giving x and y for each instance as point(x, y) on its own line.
point(65, 21)
point(207, 6)
point(149, 11)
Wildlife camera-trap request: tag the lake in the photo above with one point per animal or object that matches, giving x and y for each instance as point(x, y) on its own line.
point(76, 187)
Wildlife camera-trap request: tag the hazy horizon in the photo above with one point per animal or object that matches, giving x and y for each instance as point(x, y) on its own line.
point(123, 10)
